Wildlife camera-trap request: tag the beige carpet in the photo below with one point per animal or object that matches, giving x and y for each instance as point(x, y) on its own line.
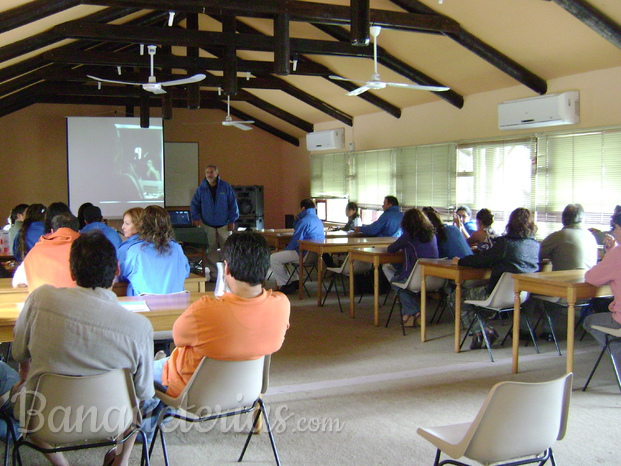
point(345, 392)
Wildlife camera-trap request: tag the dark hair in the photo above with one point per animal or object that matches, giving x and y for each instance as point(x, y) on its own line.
point(81, 214)
point(52, 211)
point(437, 223)
point(486, 217)
point(248, 257)
point(307, 204)
point(465, 208)
point(521, 223)
point(92, 213)
point(353, 206)
point(65, 220)
point(616, 219)
point(429, 209)
point(572, 214)
point(155, 227)
point(416, 223)
point(93, 260)
point(392, 200)
point(18, 209)
point(34, 213)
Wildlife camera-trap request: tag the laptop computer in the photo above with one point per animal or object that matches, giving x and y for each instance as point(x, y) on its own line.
point(180, 218)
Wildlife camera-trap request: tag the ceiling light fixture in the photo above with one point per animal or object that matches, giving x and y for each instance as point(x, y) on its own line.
point(171, 18)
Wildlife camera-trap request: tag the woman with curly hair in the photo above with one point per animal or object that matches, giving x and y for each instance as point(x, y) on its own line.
point(517, 251)
point(30, 232)
point(155, 263)
point(418, 241)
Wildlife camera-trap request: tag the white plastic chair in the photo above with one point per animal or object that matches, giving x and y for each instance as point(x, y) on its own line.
point(413, 284)
point(612, 334)
point(220, 389)
point(342, 272)
point(99, 410)
point(500, 300)
point(517, 420)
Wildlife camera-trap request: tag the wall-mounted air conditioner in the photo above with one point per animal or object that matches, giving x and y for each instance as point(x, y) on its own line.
point(324, 140)
point(546, 110)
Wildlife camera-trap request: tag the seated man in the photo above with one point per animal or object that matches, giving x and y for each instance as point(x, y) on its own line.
point(308, 226)
point(48, 261)
point(94, 221)
point(389, 223)
point(50, 330)
point(247, 323)
point(572, 247)
point(462, 219)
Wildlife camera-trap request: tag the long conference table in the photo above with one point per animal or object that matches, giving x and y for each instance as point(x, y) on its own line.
point(280, 238)
point(333, 245)
point(161, 310)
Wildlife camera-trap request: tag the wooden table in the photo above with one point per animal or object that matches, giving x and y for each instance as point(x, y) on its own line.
point(279, 239)
point(567, 284)
point(164, 310)
point(333, 245)
point(375, 256)
point(444, 268)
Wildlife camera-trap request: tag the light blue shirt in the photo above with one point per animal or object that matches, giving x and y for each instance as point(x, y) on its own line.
point(108, 232)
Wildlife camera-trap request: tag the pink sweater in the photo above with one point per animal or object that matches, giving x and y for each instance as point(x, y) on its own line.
point(608, 272)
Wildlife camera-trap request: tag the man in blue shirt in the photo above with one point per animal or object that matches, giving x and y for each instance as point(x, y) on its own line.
point(389, 223)
point(215, 204)
point(308, 226)
point(94, 221)
point(462, 219)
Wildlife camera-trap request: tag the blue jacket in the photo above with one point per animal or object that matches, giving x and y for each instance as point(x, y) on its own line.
point(223, 212)
point(455, 244)
point(148, 271)
point(35, 230)
point(121, 252)
point(389, 224)
point(308, 226)
point(109, 232)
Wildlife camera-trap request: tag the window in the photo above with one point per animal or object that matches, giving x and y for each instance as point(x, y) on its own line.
point(329, 174)
point(372, 177)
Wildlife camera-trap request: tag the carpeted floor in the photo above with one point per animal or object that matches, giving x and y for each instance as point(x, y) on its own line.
point(345, 392)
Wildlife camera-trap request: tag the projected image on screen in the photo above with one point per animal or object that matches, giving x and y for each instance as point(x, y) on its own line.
point(114, 163)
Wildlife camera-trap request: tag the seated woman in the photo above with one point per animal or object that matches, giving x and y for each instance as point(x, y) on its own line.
point(30, 232)
point(418, 241)
point(131, 230)
point(483, 238)
point(353, 217)
point(155, 264)
point(608, 272)
point(515, 252)
point(451, 243)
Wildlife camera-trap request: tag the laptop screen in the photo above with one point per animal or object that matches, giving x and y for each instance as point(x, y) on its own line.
point(180, 218)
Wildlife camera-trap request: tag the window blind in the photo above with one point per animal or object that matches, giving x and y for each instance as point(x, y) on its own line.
point(329, 174)
point(373, 177)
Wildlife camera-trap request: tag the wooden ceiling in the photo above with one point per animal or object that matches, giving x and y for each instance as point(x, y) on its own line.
point(274, 57)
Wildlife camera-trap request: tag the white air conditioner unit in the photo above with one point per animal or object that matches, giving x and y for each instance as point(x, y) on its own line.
point(547, 110)
point(324, 140)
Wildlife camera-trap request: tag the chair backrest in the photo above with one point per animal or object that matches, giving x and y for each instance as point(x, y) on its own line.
point(413, 283)
point(520, 419)
point(359, 267)
point(503, 295)
point(66, 410)
point(218, 386)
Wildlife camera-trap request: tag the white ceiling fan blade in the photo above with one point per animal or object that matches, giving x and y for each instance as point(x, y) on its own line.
point(154, 88)
point(112, 81)
point(419, 87)
point(239, 124)
point(359, 91)
point(189, 80)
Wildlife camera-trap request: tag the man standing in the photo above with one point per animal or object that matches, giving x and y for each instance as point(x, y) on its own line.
point(214, 203)
point(247, 323)
point(83, 330)
point(308, 226)
point(94, 221)
point(389, 223)
point(47, 263)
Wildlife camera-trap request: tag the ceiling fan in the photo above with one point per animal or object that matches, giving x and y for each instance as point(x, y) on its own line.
point(376, 83)
point(152, 85)
point(228, 120)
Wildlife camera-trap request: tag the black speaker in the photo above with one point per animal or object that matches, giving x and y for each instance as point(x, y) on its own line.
point(249, 200)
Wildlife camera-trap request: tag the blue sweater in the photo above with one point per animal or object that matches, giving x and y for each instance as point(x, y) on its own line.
point(220, 213)
point(35, 230)
point(109, 232)
point(148, 271)
point(413, 250)
point(308, 226)
point(389, 224)
point(455, 244)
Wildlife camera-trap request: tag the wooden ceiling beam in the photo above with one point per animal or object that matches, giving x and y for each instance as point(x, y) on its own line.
point(483, 50)
point(33, 11)
point(594, 18)
point(298, 11)
point(393, 63)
